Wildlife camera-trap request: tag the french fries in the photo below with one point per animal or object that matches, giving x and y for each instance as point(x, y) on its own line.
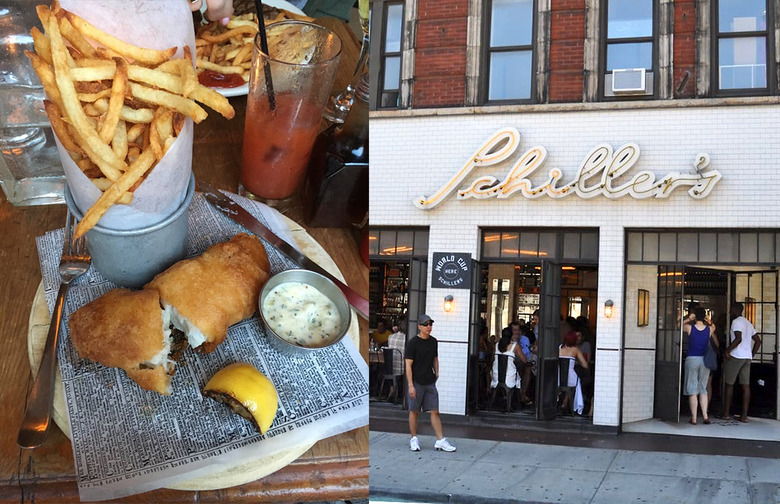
point(228, 49)
point(115, 107)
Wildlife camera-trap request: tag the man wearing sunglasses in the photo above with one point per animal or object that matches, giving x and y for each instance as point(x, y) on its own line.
point(422, 371)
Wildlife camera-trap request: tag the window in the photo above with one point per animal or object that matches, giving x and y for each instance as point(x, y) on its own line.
point(629, 50)
point(398, 242)
point(533, 245)
point(748, 247)
point(387, 21)
point(740, 47)
point(508, 59)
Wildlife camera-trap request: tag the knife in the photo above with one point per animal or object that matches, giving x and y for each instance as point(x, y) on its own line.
point(239, 215)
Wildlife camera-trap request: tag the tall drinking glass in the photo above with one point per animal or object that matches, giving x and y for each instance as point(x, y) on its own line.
point(283, 112)
point(340, 103)
point(30, 170)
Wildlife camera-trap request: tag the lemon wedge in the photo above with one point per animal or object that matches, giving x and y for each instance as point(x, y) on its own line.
point(247, 391)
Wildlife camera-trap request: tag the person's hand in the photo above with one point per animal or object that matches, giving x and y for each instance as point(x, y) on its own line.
point(215, 9)
point(412, 392)
point(727, 354)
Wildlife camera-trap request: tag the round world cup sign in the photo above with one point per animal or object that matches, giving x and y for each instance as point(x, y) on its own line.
point(451, 270)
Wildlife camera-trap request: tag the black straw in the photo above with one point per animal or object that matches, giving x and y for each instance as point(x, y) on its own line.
point(264, 46)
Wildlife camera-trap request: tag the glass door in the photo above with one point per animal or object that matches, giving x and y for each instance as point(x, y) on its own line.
point(549, 339)
point(757, 291)
point(417, 280)
point(479, 364)
point(668, 347)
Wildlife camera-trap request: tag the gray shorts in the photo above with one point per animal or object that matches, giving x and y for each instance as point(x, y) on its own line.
point(737, 368)
point(696, 376)
point(427, 398)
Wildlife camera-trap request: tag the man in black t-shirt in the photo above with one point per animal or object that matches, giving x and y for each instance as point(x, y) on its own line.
point(422, 371)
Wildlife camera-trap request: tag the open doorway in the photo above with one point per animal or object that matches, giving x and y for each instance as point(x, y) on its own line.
point(665, 271)
point(543, 299)
point(679, 289)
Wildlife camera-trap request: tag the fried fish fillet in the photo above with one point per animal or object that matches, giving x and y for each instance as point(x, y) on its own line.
point(207, 294)
point(127, 329)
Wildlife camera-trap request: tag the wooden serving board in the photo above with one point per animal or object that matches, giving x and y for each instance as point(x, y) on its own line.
point(38, 330)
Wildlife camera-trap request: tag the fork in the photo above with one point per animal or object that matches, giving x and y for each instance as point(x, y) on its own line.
point(37, 416)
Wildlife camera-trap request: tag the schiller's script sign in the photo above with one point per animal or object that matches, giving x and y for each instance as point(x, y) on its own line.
point(598, 174)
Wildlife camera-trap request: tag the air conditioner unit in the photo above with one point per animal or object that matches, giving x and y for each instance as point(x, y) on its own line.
point(628, 81)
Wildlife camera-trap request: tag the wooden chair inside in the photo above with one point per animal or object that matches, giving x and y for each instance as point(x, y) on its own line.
point(502, 367)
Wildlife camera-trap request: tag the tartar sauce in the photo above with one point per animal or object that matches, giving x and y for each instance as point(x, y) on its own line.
point(301, 314)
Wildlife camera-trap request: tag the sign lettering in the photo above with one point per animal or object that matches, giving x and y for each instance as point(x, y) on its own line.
point(451, 270)
point(599, 174)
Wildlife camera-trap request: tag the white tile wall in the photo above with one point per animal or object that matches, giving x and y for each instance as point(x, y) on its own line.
point(413, 156)
point(639, 365)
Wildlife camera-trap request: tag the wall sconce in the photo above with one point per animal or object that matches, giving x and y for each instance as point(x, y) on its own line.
point(608, 305)
point(448, 299)
point(643, 308)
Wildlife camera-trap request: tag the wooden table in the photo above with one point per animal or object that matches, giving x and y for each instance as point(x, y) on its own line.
point(334, 468)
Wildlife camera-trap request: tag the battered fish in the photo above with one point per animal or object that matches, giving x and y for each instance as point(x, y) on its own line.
point(207, 294)
point(127, 329)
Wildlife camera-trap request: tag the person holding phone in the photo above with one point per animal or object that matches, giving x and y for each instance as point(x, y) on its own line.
point(700, 331)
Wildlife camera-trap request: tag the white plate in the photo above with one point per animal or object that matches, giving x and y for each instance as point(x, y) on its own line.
point(38, 330)
point(243, 90)
point(234, 91)
point(282, 4)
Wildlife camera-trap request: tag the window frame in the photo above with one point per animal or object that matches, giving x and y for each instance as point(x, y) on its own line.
point(716, 37)
point(559, 254)
point(604, 44)
point(378, 27)
point(486, 51)
point(420, 233)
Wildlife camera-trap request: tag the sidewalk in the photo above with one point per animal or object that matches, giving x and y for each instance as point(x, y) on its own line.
point(499, 471)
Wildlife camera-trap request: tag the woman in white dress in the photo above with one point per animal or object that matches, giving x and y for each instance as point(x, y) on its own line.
point(506, 346)
point(570, 351)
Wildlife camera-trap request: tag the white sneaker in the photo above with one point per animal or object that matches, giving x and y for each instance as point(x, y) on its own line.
point(414, 445)
point(444, 445)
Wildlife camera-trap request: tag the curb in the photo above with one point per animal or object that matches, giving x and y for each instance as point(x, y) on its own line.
point(438, 498)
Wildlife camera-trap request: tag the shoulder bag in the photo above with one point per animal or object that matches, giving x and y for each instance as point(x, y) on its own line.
point(710, 356)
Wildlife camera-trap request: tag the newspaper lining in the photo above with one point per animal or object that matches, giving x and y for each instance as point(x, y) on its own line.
point(126, 440)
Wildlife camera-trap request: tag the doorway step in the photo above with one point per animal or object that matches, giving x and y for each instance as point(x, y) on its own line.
point(757, 429)
point(489, 421)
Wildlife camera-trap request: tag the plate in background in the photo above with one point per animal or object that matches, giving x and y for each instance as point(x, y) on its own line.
point(243, 90)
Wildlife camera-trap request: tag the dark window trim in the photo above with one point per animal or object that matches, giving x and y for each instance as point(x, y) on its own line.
point(699, 231)
point(604, 42)
point(397, 229)
point(768, 34)
point(485, 52)
point(377, 52)
point(559, 253)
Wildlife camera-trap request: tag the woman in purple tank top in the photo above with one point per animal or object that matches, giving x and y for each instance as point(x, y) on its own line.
point(700, 331)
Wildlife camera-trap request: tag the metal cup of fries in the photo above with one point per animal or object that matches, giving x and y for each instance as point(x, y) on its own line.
point(122, 113)
point(131, 258)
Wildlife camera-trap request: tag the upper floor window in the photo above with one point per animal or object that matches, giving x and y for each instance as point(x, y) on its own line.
point(629, 47)
point(387, 29)
point(741, 47)
point(508, 55)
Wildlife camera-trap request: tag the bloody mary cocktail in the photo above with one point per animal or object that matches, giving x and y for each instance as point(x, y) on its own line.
point(277, 145)
point(287, 94)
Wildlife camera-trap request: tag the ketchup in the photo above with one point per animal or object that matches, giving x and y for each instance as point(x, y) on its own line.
point(215, 79)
